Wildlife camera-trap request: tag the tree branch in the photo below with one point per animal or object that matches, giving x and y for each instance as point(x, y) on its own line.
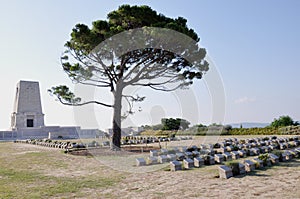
point(85, 103)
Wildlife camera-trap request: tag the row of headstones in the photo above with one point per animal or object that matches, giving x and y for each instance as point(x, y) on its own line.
point(188, 163)
point(185, 156)
point(62, 144)
point(164, 155)
point(225, 171)
point(144, 140)
point(181, 154)
point(250, 165)
point(260, 139)
point(273, 141)
point(56, 144)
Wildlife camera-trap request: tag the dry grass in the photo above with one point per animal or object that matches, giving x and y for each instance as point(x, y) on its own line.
point(28, 171)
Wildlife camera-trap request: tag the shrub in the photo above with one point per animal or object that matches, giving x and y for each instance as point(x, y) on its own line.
point(266, 138)
point(235, 148)
point(264, 157)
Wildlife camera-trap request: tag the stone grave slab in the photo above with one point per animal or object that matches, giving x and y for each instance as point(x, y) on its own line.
point(222, 150)
point(242, 153)
point(153, 153)
point(227, 156)
point(255, 151)
point(242, 168)
point(258, 163)
point(162, 159)
point(175, 165)
point(287, 156)
point(183, 149)
point(140, 162)
point(172, 157)
point(198, 162)
point(229, 148)
point(188, 154)
point(196, 154)
point(209, 160)
point(219, 158)
point(164, 151)
point(274, 158)
point(225, 172)
point(152, 160)
point(249, 165)
point(180, 156)
point(188, 163)
point(235, 155)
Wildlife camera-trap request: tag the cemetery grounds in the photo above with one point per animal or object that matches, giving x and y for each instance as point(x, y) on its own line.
point(29, 171)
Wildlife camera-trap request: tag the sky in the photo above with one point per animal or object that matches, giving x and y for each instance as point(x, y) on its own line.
point(254, 48)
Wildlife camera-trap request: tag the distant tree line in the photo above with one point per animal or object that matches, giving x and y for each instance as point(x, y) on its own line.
point(169, 124)
point(281, 125)
point(283, 121)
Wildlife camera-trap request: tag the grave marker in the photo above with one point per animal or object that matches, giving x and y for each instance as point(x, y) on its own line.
point(175, 166)
point(225, 172)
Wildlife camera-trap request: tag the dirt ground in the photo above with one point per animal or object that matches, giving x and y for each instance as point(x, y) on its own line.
point(282, 181)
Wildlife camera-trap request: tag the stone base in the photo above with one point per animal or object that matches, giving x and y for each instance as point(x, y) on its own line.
point(175, 165)
point(225, 172)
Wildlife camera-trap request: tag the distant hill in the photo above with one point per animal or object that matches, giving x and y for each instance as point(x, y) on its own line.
point(249, 125)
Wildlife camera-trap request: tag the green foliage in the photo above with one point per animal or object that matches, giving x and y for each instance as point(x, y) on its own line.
point(160, 133)
point(25, 175)
point(77, 61)
point(235, 148)
point(64, 94)
point(254, 131)
point(228, 128)
point(264, 157)
point(174, 124)
point(109, 55)
point(283, 121)
point(153, 127)
point(266, 138)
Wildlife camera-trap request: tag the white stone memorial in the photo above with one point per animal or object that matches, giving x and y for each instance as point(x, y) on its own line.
point(27, 107)
point(27, 118)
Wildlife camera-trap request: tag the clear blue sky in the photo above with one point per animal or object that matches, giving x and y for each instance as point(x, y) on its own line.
point(255, 46)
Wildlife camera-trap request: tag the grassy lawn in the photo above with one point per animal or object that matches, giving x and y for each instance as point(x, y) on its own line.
point(33, 174)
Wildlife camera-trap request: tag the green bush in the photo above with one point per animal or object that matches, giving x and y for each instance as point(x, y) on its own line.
point(264, 157)
point(235, 148)
point(266, 138)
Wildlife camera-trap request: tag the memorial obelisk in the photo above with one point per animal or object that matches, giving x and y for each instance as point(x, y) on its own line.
point(27, 111)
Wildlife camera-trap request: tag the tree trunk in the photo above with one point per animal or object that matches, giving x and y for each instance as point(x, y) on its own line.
point(116, 126)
